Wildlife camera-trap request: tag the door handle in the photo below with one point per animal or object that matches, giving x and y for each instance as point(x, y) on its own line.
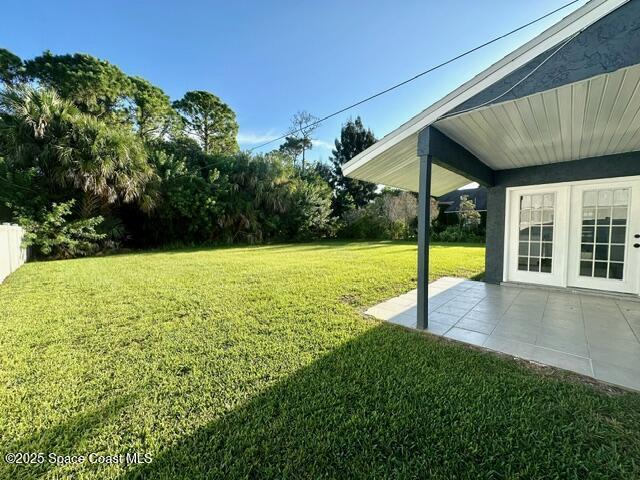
point(637, 235)
point(636, 245)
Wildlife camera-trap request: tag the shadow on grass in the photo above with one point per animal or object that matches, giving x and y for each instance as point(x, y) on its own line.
point(65, 438)
point(393, 403)
point(356, 245)
point(286, 248)
point(267, 247)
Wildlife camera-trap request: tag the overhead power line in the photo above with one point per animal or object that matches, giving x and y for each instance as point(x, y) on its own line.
point(415, 77)
point(398, 85)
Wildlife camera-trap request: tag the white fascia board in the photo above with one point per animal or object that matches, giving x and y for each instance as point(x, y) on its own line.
point(585, 16)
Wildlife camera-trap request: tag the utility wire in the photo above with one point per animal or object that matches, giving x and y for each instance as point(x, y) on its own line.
point(415, 77)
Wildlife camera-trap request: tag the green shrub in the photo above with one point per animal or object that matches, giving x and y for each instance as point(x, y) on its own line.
point(391, 216)
point(361, 224)
point(52, 235)
point(310, 215)
point(456, 234)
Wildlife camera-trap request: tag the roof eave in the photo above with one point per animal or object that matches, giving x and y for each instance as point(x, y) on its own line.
point(586, 15)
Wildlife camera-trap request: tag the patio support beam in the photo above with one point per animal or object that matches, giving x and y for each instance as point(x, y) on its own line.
point(435, 147)
point(454, 157)
point(424, 221)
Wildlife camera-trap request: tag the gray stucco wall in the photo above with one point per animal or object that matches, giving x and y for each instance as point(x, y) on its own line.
point(609, 166)
point(611, 43)
point(494, 260)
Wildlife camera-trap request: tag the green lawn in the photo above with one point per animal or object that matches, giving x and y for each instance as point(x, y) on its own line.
point(257, 363)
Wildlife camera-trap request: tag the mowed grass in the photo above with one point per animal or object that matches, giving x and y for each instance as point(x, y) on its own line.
point(257, 363)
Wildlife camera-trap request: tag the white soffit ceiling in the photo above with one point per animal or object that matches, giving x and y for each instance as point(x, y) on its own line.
point(380, 162)
point(405, 173)
point(594, 117)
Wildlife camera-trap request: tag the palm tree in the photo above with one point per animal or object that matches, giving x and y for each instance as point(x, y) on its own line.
point(70, 149)
point(256, 193)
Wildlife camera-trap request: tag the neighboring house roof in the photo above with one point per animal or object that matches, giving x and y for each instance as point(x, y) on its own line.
point(394, 159)
point(452, 199)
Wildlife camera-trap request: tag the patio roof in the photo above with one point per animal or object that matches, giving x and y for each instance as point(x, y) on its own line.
point(592, 118)
point(503, 130)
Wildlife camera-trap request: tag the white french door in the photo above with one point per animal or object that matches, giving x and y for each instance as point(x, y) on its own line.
point(582, 234)
point(604, 224)
point(538, 227)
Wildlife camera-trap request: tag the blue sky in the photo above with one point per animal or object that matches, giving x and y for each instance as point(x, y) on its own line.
point(268, 59)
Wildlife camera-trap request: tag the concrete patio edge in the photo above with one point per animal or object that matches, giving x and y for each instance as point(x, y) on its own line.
point(593, 335)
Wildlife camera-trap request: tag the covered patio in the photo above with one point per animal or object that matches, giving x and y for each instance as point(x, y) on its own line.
point(591, 334)
point(552, 131)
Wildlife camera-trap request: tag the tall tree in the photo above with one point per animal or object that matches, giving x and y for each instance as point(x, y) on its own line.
point(188, 209)
point(253, 193)
point(468, 215)
point(95, 86)
point(210, 120)
point(291, 147)
point(66, 151)
point(150, 111)
point(350, 193)
point(11, 67)
point(299, 140)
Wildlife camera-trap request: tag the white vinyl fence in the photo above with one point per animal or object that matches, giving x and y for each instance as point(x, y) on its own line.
point(12, 254)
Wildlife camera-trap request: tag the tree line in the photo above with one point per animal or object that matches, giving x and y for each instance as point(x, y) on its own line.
point(93, 159)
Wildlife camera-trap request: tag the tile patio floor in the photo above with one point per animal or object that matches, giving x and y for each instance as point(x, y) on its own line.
point(594, 335)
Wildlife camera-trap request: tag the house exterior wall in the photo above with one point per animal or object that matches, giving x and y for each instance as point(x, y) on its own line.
point(610, 44)
point(610, 166)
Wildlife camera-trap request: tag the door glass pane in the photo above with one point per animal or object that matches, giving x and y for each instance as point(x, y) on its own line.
point(602, 247)
point(602, 252)
point(618, 234)
point(534, 264)
point(588, 235)
point(588, 216)
point(536, 216)
point(615, 270)
point(586, 251)
point(535, 247)
point(617, 253)
point(604, 215)
point(602, 234)
point(534, 250)
point(605, 198)
point(620, 196)
point(589, 198)
point(536, 201)
point(619, 216)
point(600, 270)
point(535, 233)
point(523, 249)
